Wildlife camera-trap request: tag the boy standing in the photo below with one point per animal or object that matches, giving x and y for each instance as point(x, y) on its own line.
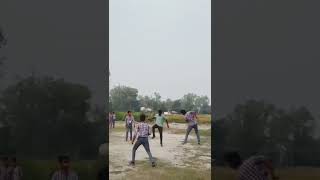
point(65, 172)
point(142, 133)
point(129, 121)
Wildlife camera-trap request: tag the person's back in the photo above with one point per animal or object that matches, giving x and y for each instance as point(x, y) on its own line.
point(143, 129)
point(253, 169)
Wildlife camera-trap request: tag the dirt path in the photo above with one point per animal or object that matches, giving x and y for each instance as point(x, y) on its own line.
point(173, 152)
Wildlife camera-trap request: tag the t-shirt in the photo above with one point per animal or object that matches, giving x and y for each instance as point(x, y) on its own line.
point(143, 130)
point(129, 120)
point(60, 175)
point(191, 118)
point(160, 120)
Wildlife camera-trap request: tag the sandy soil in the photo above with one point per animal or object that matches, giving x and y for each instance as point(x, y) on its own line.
point(173, 152)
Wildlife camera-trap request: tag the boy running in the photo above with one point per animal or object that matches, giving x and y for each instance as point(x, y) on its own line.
point(142, 132)
point(129, 122)
point(191, 118)
point(160, 118)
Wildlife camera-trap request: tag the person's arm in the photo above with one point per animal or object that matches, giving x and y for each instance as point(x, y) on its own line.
point(135, 135)
point(167, 122)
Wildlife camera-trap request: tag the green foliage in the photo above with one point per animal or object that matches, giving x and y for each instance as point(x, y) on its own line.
point(258, 127)
point(124, 98)
point(48, 117)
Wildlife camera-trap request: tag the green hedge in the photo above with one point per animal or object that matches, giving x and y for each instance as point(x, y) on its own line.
point(177, 118)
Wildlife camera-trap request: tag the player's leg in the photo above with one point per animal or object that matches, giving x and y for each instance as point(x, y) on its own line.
point(130, 132)
point(134, 149)
point(160, 131)
point(197, 132)
point(146, 146)
point(153, 131)
point(187, 134)
point(127, 131)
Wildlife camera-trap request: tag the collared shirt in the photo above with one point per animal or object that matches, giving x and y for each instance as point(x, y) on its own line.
point(160, 120)
point(60, 175)
point(143, 130)
point(191, 118)
point(129, 120)
point(253, 169)
point(16, 173)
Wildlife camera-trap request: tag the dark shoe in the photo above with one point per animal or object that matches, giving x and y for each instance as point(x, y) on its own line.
point(153, 137)
point(131, 163)
point(161, 145)
point(183, 143)
point(153, 164)
point(199, 143)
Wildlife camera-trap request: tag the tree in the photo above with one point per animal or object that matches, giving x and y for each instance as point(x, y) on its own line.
point(124, 98)
point(49, 116)
point(188, 102)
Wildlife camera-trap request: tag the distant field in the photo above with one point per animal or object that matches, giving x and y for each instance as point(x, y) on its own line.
point(299, 173)
point(42, 169)
point(177, 118)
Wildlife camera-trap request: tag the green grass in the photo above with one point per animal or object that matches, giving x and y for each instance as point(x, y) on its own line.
point(41, 169)
point(177, 118)
point(299, 173)
point(143, 170)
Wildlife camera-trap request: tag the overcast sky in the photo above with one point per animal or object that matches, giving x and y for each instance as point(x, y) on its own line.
point(161, 46)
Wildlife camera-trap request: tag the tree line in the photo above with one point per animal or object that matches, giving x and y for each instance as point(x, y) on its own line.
point(123, 98)
point(43, 117)
point(287, 136)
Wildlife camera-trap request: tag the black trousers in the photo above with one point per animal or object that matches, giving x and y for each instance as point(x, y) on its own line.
point(160, 131)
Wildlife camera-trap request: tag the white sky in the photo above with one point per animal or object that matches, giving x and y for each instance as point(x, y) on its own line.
point(161, 46)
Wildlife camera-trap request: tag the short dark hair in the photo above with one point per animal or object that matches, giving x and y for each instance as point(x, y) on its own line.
point(233, 159)
point(62, 158)
point(142, 117)
point(129, 111)
point(160, 112)
point(183, 112)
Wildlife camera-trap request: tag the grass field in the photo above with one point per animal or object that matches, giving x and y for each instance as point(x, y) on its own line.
point(41, 169)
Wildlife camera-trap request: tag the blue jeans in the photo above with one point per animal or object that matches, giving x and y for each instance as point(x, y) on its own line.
point(189, 129)
point(144, 141)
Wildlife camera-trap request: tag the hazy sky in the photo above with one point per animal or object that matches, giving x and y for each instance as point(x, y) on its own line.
point(161, 46)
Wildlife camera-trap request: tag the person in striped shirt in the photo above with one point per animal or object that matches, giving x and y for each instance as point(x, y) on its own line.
point(65, 172)
point(191, 118)
point(142, 133)
point(129, 123)
point(254, 168)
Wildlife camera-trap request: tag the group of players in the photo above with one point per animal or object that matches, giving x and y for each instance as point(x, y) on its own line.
point(142, 130)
